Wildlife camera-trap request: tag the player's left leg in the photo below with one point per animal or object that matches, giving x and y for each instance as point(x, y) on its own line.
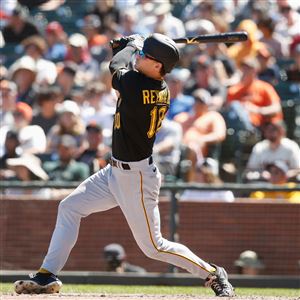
point(139, 204)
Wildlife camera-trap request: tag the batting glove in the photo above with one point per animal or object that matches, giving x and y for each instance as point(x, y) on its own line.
point(137, 41)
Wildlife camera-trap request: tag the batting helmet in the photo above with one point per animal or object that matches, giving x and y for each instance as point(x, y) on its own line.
point(162, 49)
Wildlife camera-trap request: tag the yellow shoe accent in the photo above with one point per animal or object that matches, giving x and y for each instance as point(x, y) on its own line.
point(43, 271)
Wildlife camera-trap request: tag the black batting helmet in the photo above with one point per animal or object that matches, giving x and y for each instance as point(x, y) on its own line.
point(162, 49)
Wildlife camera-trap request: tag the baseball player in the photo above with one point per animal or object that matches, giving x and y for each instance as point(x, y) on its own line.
point(131, 180)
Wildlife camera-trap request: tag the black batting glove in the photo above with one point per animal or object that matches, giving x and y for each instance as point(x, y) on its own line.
point(119, 44)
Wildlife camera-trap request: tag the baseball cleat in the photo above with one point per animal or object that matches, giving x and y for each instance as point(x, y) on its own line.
point(219, 283)
point(38, 284)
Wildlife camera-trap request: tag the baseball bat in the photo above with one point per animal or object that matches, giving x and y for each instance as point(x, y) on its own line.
point(227, 37)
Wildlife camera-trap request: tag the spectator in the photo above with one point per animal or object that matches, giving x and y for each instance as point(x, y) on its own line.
point(23, 72)
point(32, 137)
point(277, 174)
point(66, 78)
point(293, 71)
point(8, 90)
point(35, 47)
point(65, 168)
point(205, 78)
point(19, 27)
point(248, 263)
point(195, 27)
point(276, 146)
point(226, 10)
point(166, 149)
point(248, 48)
point(208, 173)
point(95, 110)
point(254, 98)
point(162, 21)
point(201, 10)
point(3, 69)
point(289, 22)
point(78, 52)
point(115, 259)
point(27, 168)
point(204, 127)
point(97, 42)
point(56, 39)
point(269, 37)
point(108, 13)
point(256, 9)
point(10, 151)
point(179, 102)
point(224, 66)
point(69, 122)
point(128, 23)
point(293, 46)
point(91, 29)
point(268, 69)
point(46, 115)
point(6, 10)
point(95, 154)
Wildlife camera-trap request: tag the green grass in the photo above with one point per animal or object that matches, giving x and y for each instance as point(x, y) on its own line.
point(166, 290)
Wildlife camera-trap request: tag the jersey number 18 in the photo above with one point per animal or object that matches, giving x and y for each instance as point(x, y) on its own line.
point(157, 116)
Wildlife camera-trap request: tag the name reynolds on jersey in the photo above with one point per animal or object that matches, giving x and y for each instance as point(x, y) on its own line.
point(156, 97)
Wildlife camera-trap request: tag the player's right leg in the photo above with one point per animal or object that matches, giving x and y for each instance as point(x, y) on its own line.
point(93, 195)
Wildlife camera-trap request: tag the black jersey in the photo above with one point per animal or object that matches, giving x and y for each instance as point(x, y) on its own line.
point(141, 107)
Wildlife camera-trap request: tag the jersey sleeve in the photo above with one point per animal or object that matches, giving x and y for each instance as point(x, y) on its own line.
point(120, 64)
point(127, 83)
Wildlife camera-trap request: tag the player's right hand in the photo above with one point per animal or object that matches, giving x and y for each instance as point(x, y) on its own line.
point(135, 40)
point(118, 44)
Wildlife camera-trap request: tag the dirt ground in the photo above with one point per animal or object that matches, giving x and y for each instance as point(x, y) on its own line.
point(63, 296)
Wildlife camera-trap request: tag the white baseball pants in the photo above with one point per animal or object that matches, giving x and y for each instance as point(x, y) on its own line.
point(136, 192)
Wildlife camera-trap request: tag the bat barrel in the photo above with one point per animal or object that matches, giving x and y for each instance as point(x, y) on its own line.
point(227, 37)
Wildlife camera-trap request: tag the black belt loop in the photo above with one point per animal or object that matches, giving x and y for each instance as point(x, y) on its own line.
point(119, 165)
point(150, 160)
point(125, 166)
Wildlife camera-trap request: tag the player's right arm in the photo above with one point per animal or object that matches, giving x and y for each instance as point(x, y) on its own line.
point(122, 59)
point(120, 64)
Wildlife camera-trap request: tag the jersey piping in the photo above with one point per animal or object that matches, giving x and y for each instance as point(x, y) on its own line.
point(150, 234)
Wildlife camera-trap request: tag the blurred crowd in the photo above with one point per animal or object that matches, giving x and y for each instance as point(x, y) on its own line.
point(235, 108)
